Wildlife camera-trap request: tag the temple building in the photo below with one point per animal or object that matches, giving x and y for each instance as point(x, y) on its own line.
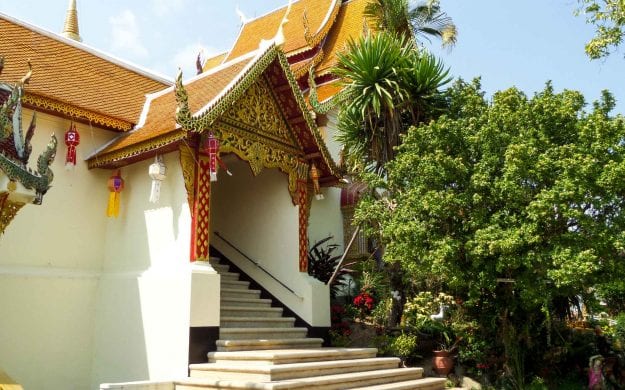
point(168, 219)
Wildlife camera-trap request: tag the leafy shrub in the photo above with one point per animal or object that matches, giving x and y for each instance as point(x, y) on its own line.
point(404, 346)
point(614, 295)
point(338, 339)
point(321, 262)
point(380, 315)
point(418, 310)
point(619, 332)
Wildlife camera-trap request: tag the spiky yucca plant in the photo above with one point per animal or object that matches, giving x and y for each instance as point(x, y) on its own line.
point(390, 85)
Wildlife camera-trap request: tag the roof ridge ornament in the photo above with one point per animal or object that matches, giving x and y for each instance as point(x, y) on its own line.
point(70, 29)
point(244, 19)
point(322, 107)
point(307, 35)
point(279, 38)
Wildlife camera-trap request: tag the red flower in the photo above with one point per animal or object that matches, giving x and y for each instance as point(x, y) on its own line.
point(365, 302)
point(338, 309)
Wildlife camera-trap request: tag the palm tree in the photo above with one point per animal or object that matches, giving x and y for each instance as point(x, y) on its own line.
point(389, 85)
point(424, 20)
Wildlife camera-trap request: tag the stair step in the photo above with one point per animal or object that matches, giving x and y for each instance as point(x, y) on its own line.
point(235, 284)
point(250, 311)
point(431, 383)
point(257, 322)
point(238, 293)
point(260, 302)
point(229, 276)
point(276, 372)
point(285, 356)
point(352, 380)
point(261, 333)
point(220, 267)
point(267, 344)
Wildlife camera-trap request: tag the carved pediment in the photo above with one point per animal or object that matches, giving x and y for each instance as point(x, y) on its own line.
point(257, 113)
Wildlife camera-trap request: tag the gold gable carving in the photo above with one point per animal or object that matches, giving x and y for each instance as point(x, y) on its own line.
point(8, 210)
point(261, 155)
point(257, 112)
point(75, 112)
point(255, 130)
point(248, 122)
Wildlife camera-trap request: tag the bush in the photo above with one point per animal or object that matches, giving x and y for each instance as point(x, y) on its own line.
point(404, 346)
point(321, 263)
point(619, 333)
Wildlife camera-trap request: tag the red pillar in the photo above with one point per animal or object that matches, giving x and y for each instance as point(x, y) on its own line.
point(302, 192)
point(200, 231)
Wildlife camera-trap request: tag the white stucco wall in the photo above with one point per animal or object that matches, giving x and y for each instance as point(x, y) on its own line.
point(50, 256)
point(325, 215)
point(54, 224)
point(257, 215)
point(85, 299)
point(329, 134)
point(143, 300)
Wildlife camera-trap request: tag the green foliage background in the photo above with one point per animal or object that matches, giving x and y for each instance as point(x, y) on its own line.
point(512, 204)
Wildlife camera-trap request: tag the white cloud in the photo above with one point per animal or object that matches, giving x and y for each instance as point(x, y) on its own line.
point(166, 7)
point(125, 34)
point(186, 57)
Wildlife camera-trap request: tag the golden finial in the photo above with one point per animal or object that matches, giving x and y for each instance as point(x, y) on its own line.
point(71, 22)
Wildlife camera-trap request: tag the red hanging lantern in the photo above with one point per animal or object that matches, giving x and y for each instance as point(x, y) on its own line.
point(72, 139)
point(115, 186)
point(212, 147)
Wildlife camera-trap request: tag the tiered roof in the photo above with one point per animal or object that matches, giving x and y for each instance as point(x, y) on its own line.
point(309, 21)
point(349, 25)
point(314, 33)
point(210, 94)
point(73, 79)
point(82, 83)
point(157, 128)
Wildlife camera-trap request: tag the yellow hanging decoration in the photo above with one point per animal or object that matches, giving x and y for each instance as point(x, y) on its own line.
point(115, 185)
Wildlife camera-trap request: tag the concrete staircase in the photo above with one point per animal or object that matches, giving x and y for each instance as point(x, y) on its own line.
point(258, 348)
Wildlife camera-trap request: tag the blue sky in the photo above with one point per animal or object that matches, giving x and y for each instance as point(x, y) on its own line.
point(521, 43)
point(525, 43)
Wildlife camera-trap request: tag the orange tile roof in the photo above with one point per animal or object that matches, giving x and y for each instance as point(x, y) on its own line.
point(209, 94)
point(326, 91)
point(161, 115)
point(319, 13)
point(350, 24)
point(74, 74)
point(212, 62)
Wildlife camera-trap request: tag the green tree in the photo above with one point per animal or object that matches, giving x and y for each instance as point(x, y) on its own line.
point(388, 85)
point(608, 17)
point(510, 204)
point(424, 20)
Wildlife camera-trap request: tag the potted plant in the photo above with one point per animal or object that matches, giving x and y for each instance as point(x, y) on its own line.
point(443, 360)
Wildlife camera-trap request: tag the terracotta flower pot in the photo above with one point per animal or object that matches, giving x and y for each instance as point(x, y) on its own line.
point(443, 362)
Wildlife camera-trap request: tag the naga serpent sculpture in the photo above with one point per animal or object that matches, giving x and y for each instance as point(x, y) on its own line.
point(15, 148)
